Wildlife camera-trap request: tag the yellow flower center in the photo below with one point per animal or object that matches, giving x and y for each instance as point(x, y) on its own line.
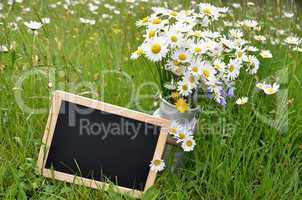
point(173, 38)
point(240, 54)
point(175, 62)
point(173, 13)
point(207, 11)
point(197, 49)
point(175, 95)
point(182, 56)
point(217, 65)
point(155, 48)
point(156, 21)
point(232, 68)
point(145, 19)
point(270, 90)
point(173, 131)
point(189, 143)
point(181, 136)
point(181, 105)
point(192, 79)
point(151, 34)
point(156, 162)
point(206, 73)
point(184, 87)
point(195, 69)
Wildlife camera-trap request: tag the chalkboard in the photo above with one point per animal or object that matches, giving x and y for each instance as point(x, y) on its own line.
point(99, 142)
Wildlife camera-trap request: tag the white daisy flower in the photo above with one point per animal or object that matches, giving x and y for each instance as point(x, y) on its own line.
point(298, 49)
point(207, 71)
point(198, 48)
point(253, 62)
point(252, 49)
point(182, 134)
point(33, 25)
point(182, 55)
point(242, 100)
point(191, 79)
point(293, 40)
point(240, 54)
point(236, 5)
point(208, 10)
point(271, 89)
point(184, 88)
point(235, 33)
point(195, 69)
point(45, 20)
point(3, 48)
point(219, 65)
point(142, 22)
point(233, 69)
point(155, 49)
point(266, 54)
point(260, 85)
point(175, 38)
point(188, 144)
point(157, 165)
point(288, 14)
point(250, 3)
point(150, 33)
point(252, 24)
point(260, 38)
point(139, 52)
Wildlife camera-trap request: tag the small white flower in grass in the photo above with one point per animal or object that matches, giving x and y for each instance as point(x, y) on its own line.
point(250, 3)
point(266, 54)
point(3, 48)
point(260, 38)
point(293, 40)
point(139, 52)
point(236, 5)
point(271, 89)
point(45, 20)
point(252, 24)
point(288, 14)
point(253, 62)
point(157, 165)
point(155, 49)
point(252, 49)
point(33, 25)
point(188, 144)
point(242, 100)
point(184, 88)
point(260, 85)
point(236, 33)
point(298, 49)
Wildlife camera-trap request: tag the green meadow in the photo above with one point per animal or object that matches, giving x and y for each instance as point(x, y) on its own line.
point(252, 151)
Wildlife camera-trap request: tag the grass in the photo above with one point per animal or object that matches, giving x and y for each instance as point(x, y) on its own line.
point(250, 152)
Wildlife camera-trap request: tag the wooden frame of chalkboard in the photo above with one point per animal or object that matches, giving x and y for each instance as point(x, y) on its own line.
point(58, 98)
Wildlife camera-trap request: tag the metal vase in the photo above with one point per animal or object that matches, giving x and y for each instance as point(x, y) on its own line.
point(173, 152)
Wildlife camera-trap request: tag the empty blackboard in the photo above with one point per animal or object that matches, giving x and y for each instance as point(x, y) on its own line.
point(99, 142)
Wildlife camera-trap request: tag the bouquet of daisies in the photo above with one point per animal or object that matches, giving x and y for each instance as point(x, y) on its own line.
point(194, 56)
